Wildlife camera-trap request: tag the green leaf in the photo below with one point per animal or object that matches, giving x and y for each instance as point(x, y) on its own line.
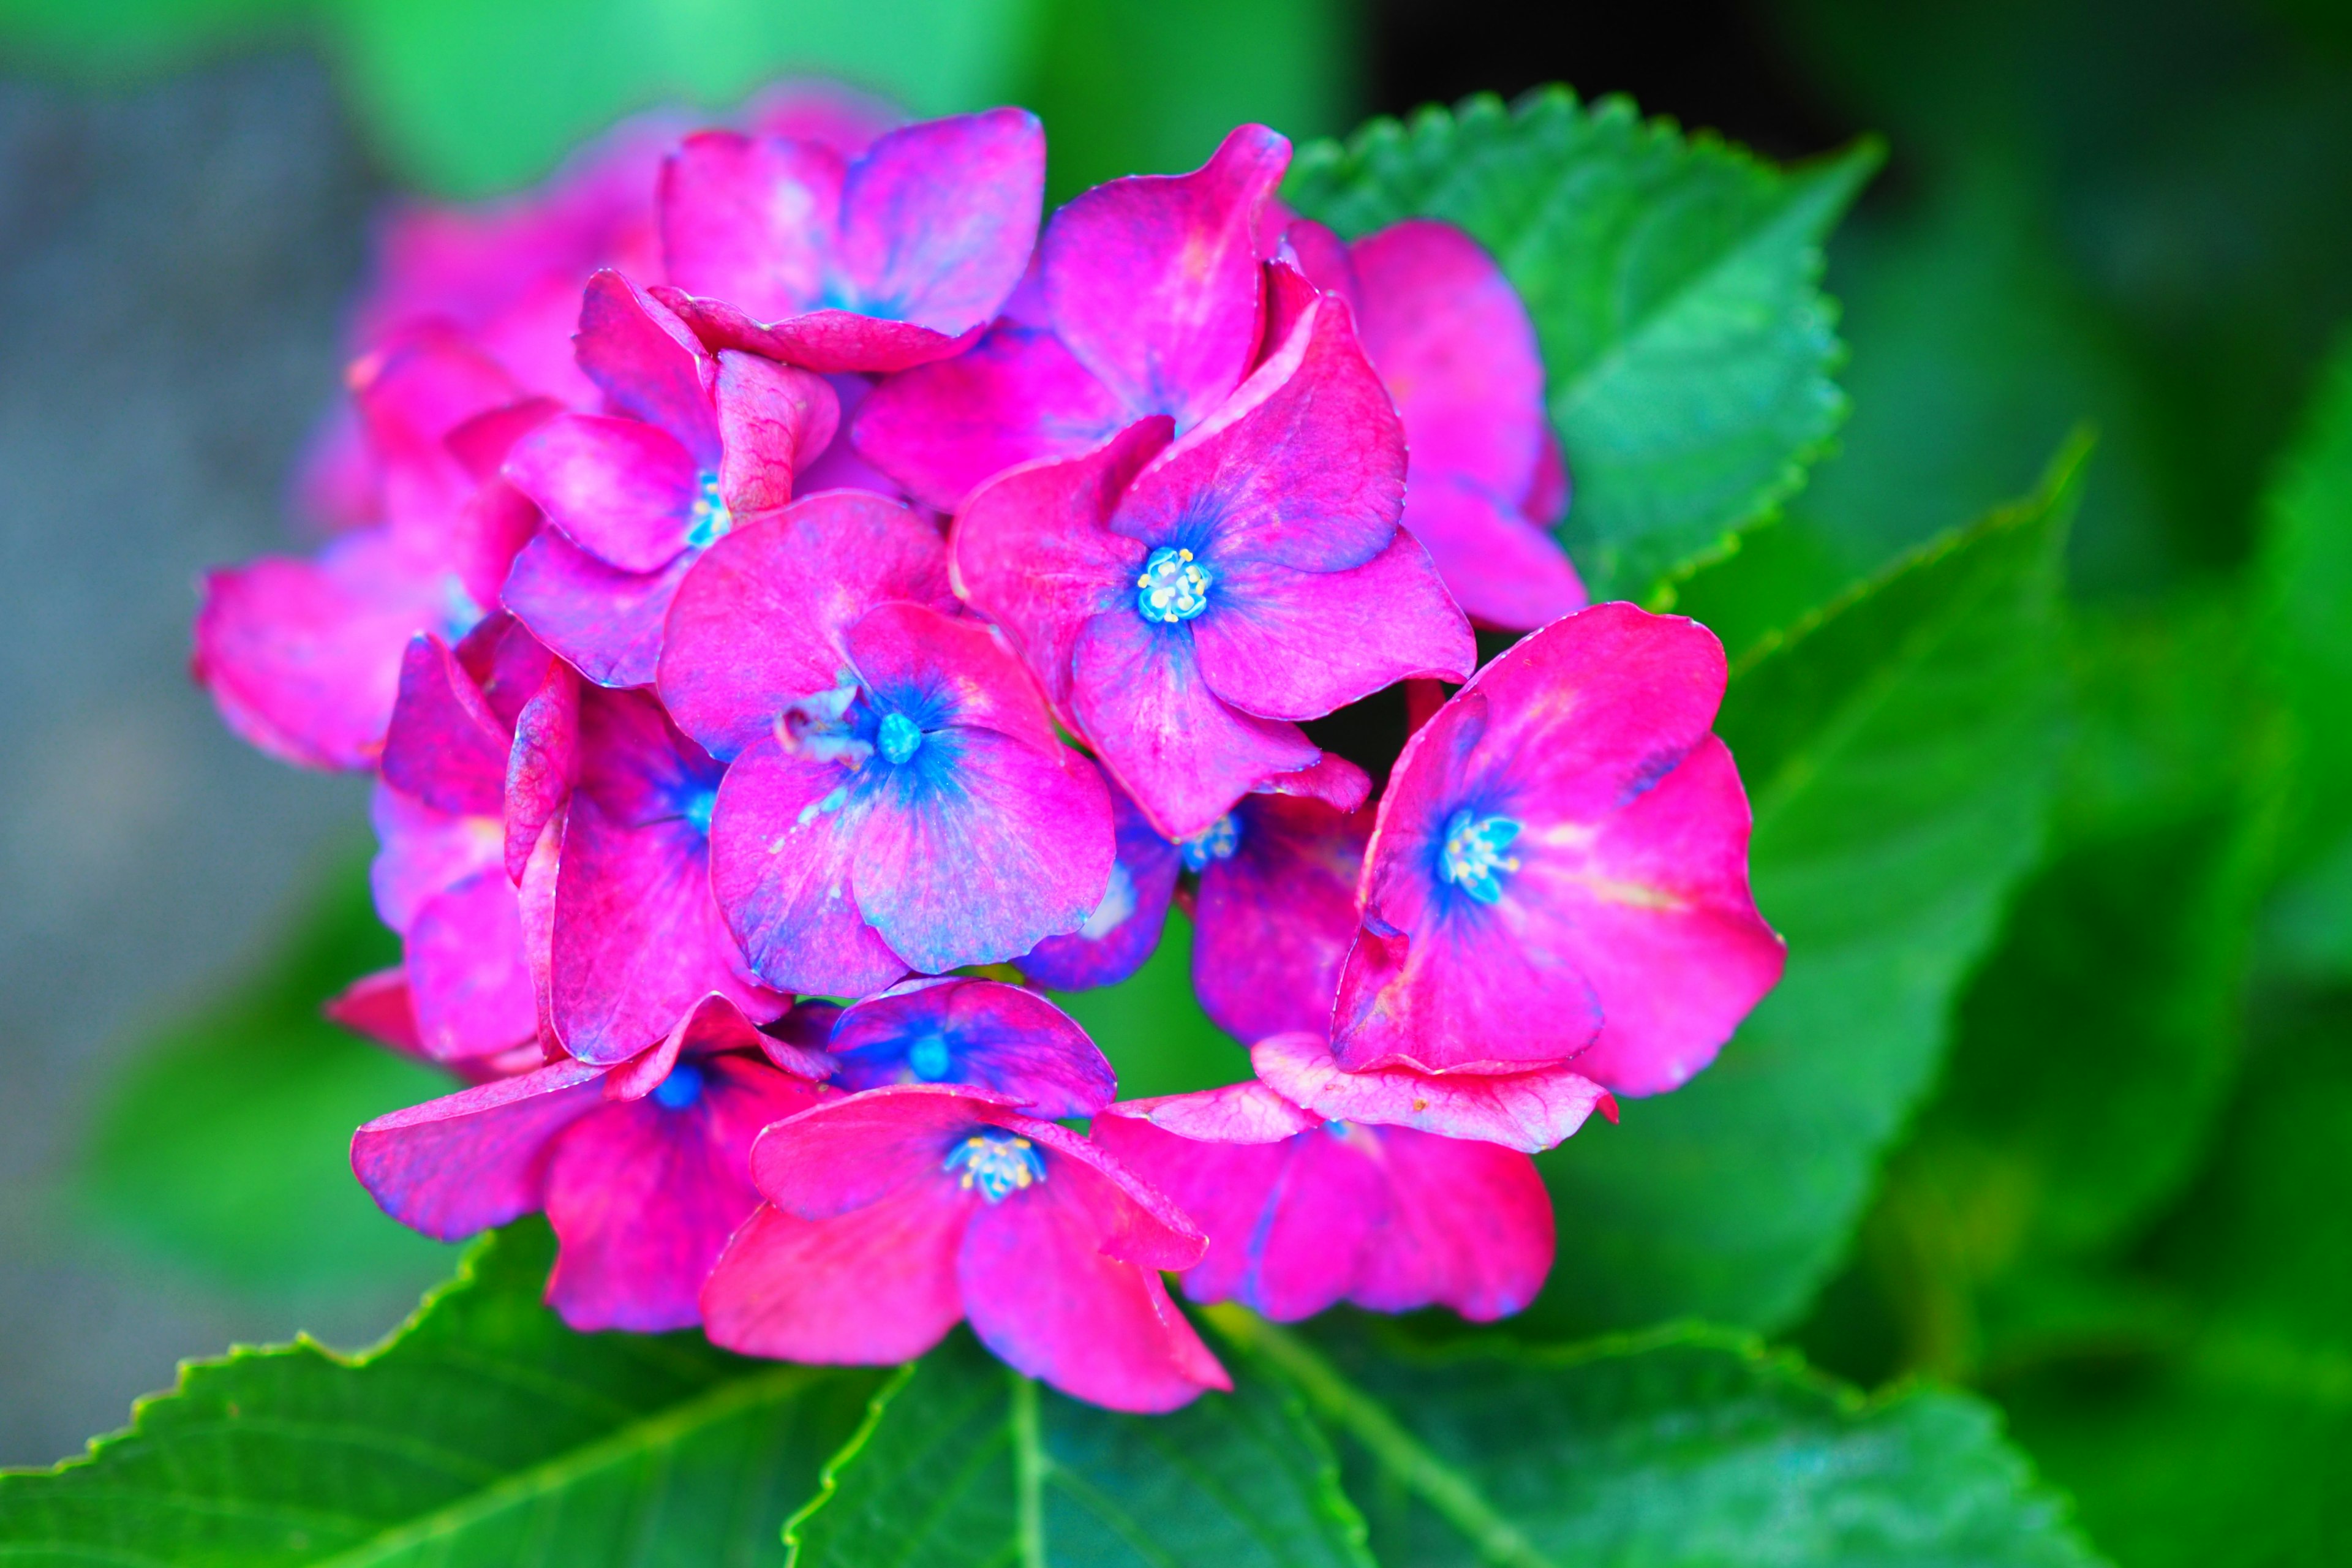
point(482, 1432)
point(964, 1461)
point(224, 1145)
point(1682, 1445)
point(1674, 283)
point(1897, 751)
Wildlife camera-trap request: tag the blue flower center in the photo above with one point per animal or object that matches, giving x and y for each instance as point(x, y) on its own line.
point(709, 522)
point(996, 1162)
point(1215, 842)
point(698, 809)
point(897, 738)
point(1174, 587)
point(681, 1088)
point(928, 1058)
point(1473, 857)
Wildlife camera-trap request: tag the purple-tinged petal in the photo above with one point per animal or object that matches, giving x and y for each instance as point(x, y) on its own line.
point(1335, 781)
point(1529, 1112)
point(476, 1158)
point(377, 1006)
point(1283, 643)
point(444, 745)
point(712, 1026)
point(1504, 570)
point(979, 1032)
point(421, 851)
point(1304, 465)
point(840, 466)
point(544, 764)
point(1545, 502)
point(827, 341)
point(505, 663)
point(1246, 1112)
point(1152, 280)
point(648, 363)
point(871, 1287)
point(1471, 993)
point(606, 622)
point(1274, 918)
point(492, 528)
point(1182, 755)
point(643, 1195)
point(1469, 1226)
point(750, 220)
point(773, 419)
point(763, 620)
point(470, 985)
point(942, 429)
point(1032, 554)
point(622, 490)
point(847, 1153)
point(411, 396)
point(1310, 1247)
point(938, 219)
point(1224, 1188)
point(636, 764)
point(781, 840)
point(1125, 928)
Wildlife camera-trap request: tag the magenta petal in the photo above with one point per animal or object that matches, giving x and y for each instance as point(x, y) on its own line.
point(1247, 1112)
point(979, 1032)
point(1529, 1112)
point(469, 983)
point(943, 428)
point(544, 764)
point(868, 1288)
point(1275, 920)
point(1309, 1248)
point(1286, 644)
point(1335, 781)
point(476, 1158)
point(622, 490)
point(605, 621)
point(1503, 570)
point(781, 840)
point(1304, 465)
point(812, 108)
point(847, 1153)
point(377, 1006)
point(1125, 927)
point(420, 851)
point(1470, 1227)
point(1225, 1188)
point(773, 419)
point(938, 219)
point(1152, 280)
point(444, 745)
point(829, 342)
point(1180, 753)
point(648, 363)
point(763, 619)
point(750, 220)
point(1042, 1295)
point(1467, 994)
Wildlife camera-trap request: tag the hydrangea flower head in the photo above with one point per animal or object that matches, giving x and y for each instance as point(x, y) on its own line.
point(982, 1033)
point(1184, 605)
point(895, 1214)
point(1561, 866)
point(898, 255)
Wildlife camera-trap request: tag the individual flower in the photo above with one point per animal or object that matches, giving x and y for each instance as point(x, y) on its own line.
point(697, 443)
point(982, 1033)
point(895, 1214)
point(643, 1168)
point(1185, 604)
point(302, 656)
point(1561, 866)
point(896, 798)
point(617, 875)
point(1148, 301)
point(1454, 347)
point(898, 255)
point(1275, 911)
point(1125, 926)
point(1304, 1211)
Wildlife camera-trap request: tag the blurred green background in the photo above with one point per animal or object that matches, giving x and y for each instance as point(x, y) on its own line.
point(2121, 1208)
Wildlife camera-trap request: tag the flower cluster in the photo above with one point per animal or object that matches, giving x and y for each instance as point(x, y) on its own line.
point(892, 602)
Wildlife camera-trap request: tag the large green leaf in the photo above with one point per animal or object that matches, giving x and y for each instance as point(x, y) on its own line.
point(1674, 283)
point(1897, 751)
point(964, 1461)
point(224, 1145)
point(1679, 1445)
point(483, 1432)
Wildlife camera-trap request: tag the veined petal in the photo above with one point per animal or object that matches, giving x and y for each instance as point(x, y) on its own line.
point(1530, 1112)
point(478, 1158)
point(1125, 927)
point(773, 419)
point(871, 1287)
point(847, 1153)
point(620, 490)
point(606, 622)
point(829, 342)
point(648, 363)
point(1275, 919)
point(938, 219)
point(469, 984)
point(1470, 1227)
point(444, 745)
point(979, 1032)
point(1503, 570)
point(750, 220)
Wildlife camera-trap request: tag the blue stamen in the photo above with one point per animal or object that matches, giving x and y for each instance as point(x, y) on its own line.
point(1174, 587)
point(1474, 854)
point(928, 1058)
point(709, 522)
point(996, 1162)
point(681, 1088)
point(898, 738)
point(1218, 841)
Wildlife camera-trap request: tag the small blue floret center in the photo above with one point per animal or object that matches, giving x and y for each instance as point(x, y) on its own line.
point(928, 1058)
point(1173, 587)
point(681, 1088)
point(1474, 858)
point(698, 809)
point(897, 738)
point(709, 522)
point(996, 1162)
point(1215, 842)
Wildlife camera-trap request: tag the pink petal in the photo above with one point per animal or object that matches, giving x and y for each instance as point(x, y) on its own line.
point(1125, 927)
point(508, 664)
point(994, 1035)
point(1274, 920)
point(943, 428)
point(648, 363)
point(622, 490)
point(845, 1153)
point(1503, 570)
point(938, 219)
point(444, 745)
point(1470, 1227)
point(751, 221)
point(1529, 1112)
point(1283, 643)
point(377, 1006)
point(544, 764)
point(1335, 781)
point(421, 851)
point(772, 419)
point(1152, 281)
point(470, 985)
point(867, 1288)
point(1486, 996)
point(476, 1158)
point(1248, 1112)
point(1224, 1188)
point(829, 342)
point(605, 621)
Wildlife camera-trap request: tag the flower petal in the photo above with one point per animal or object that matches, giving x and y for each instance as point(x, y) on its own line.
point(605, 621)
point(1125, 928)
point(469, 983)
point(847, 1153)
point(1503, 570)
point(1470, 1227)
point(444, 745)
point(979, 1032)
point(1274, 920)
point(750, 220)
point(867, 1288)
point(648, 363)
point(938, 219)
point(478, 1158)
point(773, 419)
point(620, 490)
point(1530, 1112)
